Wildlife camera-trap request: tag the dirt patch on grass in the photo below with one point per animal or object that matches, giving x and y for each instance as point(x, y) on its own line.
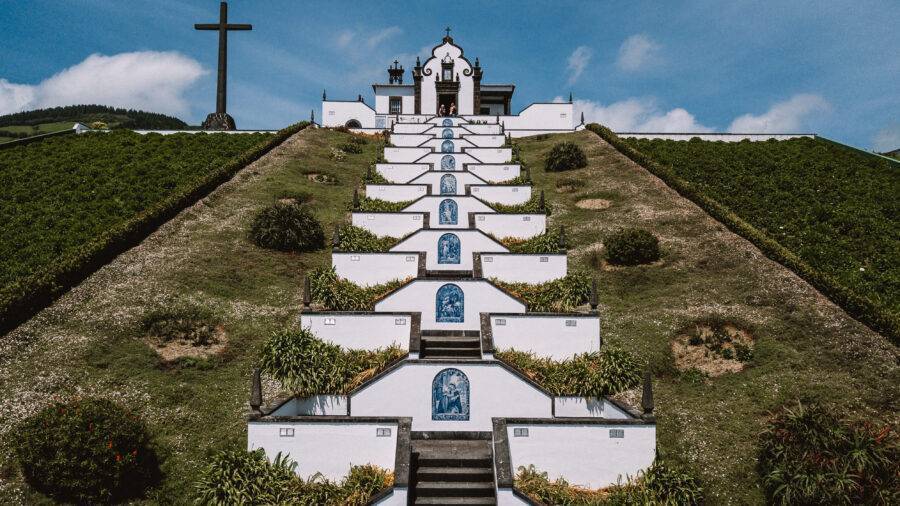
point(171, 351)
point(713, 349)
point(593, 204)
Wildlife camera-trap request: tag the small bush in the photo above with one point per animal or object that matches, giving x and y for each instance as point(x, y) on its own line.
point(341, 295)
point(241, 477)
point(367, 204)
point(808, 456)
point(287, 227)
point(595, 374)
point(559, 295)
point(180, 321)
point(532, 206)
point(375, 177)
point(360, 240)
point(351, 148)
point(548, 242)
point(86, 451)
point(306, 365)
point(565, 156)
point(632, 246)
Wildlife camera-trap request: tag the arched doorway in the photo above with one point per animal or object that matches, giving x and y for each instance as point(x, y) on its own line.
point(353, 123)
point(448, 212)
point(449, 304)
point(448, 249)
point(448, 184)
point(450, 395)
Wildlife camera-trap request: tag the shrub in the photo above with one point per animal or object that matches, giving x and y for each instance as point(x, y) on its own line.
point(375, 177)
point(306, 365)
point(632, 246)
point(808, 456)
point(358, 239)
point(287, 227)
point(86, 451)
point(607, 372)
point(351, 148)
point(241, 477)
point(559, 295)
point(341, 295)
point(176, 320)
point(565, 156)
point(367, 204)
point(548, 242)
point(532, 206)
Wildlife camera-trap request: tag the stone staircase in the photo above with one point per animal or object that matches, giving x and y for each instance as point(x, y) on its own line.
point(455, 469)
point(451, 344)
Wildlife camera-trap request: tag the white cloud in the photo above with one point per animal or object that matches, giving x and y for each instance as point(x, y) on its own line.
point(383, 35)
point(638, 52)
point(345, 38)
point(578, 61)
point(789, 116)
point(637, 115)
point(148, 80)
point(887, 139)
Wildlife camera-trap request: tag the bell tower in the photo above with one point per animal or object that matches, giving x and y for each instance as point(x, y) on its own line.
point(395, 73)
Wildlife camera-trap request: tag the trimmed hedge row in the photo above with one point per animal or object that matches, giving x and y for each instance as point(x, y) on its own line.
point(856, 305)
point(22, 299)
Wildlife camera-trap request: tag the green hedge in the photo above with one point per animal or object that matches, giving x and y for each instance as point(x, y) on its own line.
point(360, 240)
point(606, 372)
point(856, 305)
point(23, 298)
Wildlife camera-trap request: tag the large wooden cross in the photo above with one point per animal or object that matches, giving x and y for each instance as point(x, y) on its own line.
point(223, 28)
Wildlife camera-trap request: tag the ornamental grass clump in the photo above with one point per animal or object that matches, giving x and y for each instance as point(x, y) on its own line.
point(565, 156)
point(360, 240)
point(287, 226)
point(808, 456)
point(631, 246)
point(242, 477)
point(560, 295)
point(336, 294)
point(596, 374)
point(86, 451)
point(548, 242)
point(367, 204)
point(305, 365)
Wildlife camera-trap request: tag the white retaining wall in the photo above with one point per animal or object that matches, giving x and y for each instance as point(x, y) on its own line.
point(501, 225)
point(433, 179)
point(396, 192)
point(486, 141)
point(317, 405)
point(401, 172)
point(490, 155)
point(542, 116)
point(338, 113)
point(470, 241)
point(465, 206)
point(491, 128)
point(559, 337)
point(368, 269)
point(524, 268)
point(494, 392)
point(404, 155)
point(360, 331)
point(584, 455)
point(388, 224)
point(419, 296)
point(434, 159)
point(458, 144)
point(408, 140)
point(502, 194)
point(497, 172)
point(588, 407)
point(327, 448)
point(410, 128)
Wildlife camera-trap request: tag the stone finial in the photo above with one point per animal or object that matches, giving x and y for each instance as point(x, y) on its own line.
point(570, 97)
point(369, 173)
point(477, 63)
point(562, 238)
point(594, 294)
point(307, 293)
point(256, 399)
point(541, 202)
point(355, 198)
point(418, 62)
point(312, 115)
point(647, 395)
point(324, 96)
point(582, 117)
point(359, 97)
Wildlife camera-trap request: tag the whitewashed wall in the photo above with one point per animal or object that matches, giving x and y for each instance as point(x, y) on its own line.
point(559, 337)
point(360, 331)
point(542, 116)
point(335, 113)
point(485, 129)
point(419, 296)
point(588, 407)
point(584, 455)
point(368, 269)
point(327, 448)
point(404, 155)
point(314, 405)
point(434, 159)
point(409, 140)
point(503, 225)
point(432, 70)
point(490, 155)
point(401, 172)
point(410, 128)
point(406, 94)
point(724, 137)
point(388, 224)
point(436, 131)
point(524, 268)
point(465, 205)
point(495, 173)
point(433, 179)
point(470, 241)
point(396, 192)
point(485, 141)
point(502, 194)
point(494, 392)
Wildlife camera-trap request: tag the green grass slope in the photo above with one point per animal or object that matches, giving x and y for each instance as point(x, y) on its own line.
point(89, 341)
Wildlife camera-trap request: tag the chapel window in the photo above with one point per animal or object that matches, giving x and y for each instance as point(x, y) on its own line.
point(394, 105)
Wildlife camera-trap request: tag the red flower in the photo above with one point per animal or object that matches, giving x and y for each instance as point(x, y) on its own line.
point(118, 458)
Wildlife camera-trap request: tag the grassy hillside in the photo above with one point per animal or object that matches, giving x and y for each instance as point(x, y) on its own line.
point(114, 117)
point(834, 207)
point(90, 343)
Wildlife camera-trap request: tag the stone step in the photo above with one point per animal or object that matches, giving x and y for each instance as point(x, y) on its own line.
point(437, 352)
point(449, 274)
point(452, 341)
point(455, 489)
point(453, 501)
point(448, 474)
point(454, 461)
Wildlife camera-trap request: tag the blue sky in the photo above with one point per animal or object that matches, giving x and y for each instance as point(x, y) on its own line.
point(826, 67)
